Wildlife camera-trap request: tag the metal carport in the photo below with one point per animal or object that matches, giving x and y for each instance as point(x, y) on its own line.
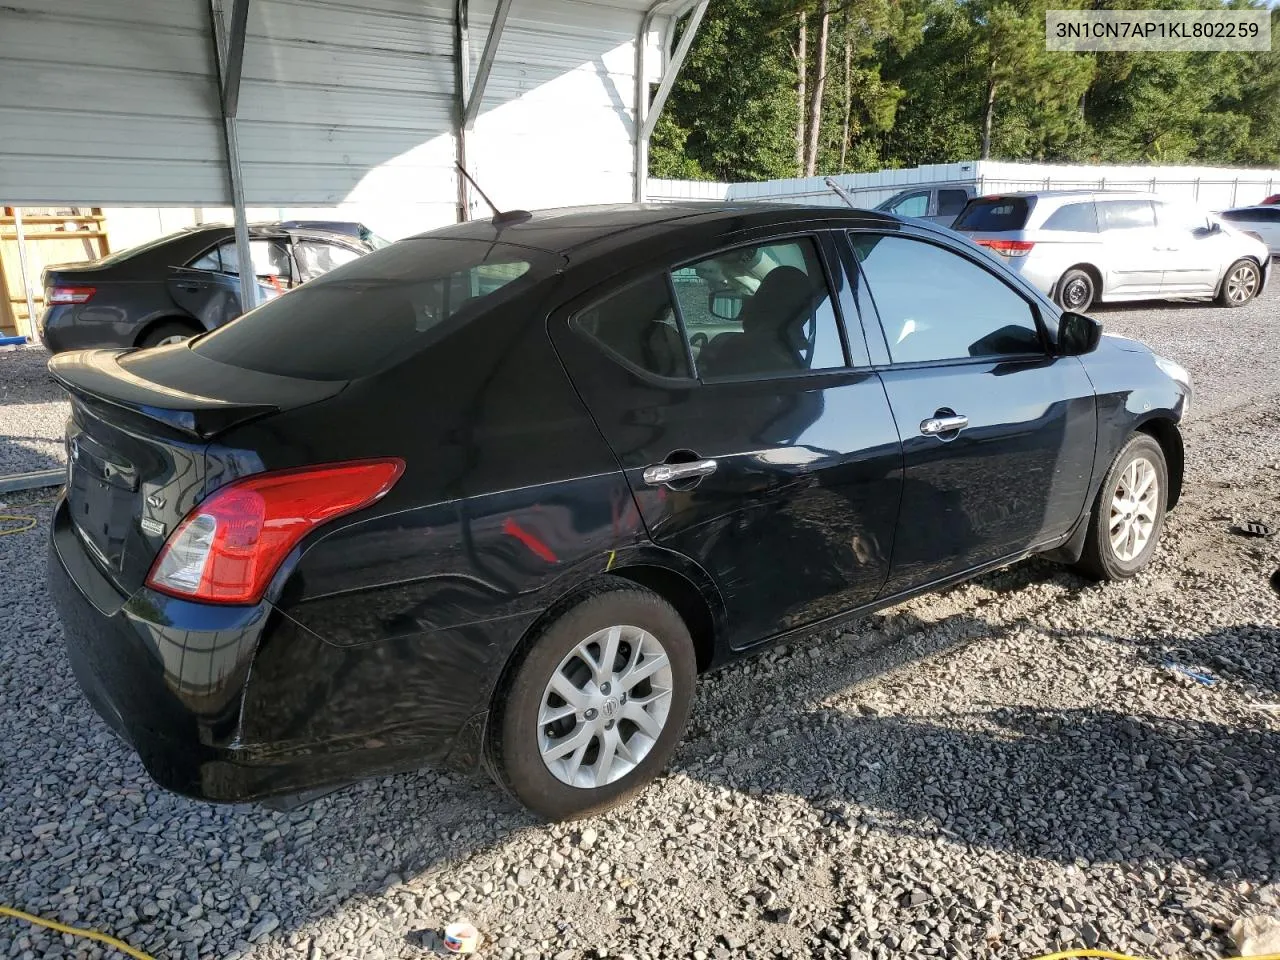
point(332, 103)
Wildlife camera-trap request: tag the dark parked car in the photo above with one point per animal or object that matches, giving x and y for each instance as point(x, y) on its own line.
point(939, 203)
point(480, 498)
point(179, 285)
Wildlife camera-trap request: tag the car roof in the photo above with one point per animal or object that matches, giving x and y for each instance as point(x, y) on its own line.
point(565, 229)
point(1071, 194)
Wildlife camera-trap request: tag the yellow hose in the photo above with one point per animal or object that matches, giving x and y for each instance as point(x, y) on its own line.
point(139, 955)
point(1109, 955)
point(76, 932)
point(18, 518)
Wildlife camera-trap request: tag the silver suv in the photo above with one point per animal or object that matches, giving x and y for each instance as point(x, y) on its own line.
point(1081, 247)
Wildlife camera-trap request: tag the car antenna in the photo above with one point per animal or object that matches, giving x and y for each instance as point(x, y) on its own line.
point(840, 192)
point(499, 217)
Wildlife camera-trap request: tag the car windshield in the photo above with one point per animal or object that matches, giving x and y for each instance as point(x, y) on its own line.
point(364, 316)
point(994, 214)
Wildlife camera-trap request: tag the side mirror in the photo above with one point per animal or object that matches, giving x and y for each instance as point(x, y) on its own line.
point(1209, 230)
point(1078, 334)
point(725, 304)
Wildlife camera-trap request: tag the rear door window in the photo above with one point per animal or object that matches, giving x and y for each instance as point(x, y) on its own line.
point(637, 325)
point(1126, 214)
point(994, 214)
point(1073, 217)
point(761, 310)
point(365, 316)
point(951, 202)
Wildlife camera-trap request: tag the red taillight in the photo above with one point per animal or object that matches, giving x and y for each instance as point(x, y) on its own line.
point(1008, 248)
point(229, 547)
point(54, 295)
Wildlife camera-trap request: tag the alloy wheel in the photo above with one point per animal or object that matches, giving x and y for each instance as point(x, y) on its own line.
point(1133, 509)
point(605, 707)
point(176, 338)
point(1242, 283)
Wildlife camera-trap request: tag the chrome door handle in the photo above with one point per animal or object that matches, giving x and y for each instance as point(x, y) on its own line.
point(936, 425)
point(663, 473)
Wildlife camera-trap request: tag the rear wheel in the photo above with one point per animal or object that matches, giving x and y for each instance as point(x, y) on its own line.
point(1241, 284)
point(1076, 291)
point(1128, 516)
point(596, 707)
point(174, 331)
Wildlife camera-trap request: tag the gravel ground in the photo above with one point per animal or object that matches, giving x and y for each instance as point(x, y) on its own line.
point(32, 412)
point(997, 771)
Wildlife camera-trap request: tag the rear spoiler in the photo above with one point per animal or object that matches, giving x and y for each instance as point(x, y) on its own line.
point(99, 375)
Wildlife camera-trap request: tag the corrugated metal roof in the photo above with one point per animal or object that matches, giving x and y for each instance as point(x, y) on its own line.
point(341, 102)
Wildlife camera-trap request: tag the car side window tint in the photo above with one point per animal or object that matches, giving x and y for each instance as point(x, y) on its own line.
point(210, 261)
point(270, 258)
point(951, 202)
point(1126, 214)
point(912, 205)
point(759, 311)
point(317, 257)
point(1076, 217)
point(962, 310)
point(637, 324)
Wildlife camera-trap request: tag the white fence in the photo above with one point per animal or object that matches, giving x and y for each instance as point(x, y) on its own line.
point(1216, 188)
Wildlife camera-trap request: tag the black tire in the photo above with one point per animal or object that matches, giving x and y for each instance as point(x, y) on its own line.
point(167, 331)
point(514, 740)
point(1240, 284)
point(1100, 559)
point(1077, 290)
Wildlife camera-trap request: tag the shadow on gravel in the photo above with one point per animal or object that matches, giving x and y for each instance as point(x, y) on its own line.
point(20, 454)
point(1093, 784)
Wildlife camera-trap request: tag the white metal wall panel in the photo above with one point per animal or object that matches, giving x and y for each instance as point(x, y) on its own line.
point(557, 123)
point(108, 102)
point(350, 102)
point(346, 105)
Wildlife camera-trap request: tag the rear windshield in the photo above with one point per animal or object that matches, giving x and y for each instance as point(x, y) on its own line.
point(362, 317)
point(993, 214)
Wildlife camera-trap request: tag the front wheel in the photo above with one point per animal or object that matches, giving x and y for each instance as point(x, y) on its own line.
point(596, 707)
point(1242, 283)
point(1128, 516)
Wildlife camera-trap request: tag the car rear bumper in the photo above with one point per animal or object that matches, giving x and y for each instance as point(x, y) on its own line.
point(241, 703)
point(62, 328)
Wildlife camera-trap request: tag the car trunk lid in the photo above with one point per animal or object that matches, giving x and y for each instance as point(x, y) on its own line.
point(138, 442)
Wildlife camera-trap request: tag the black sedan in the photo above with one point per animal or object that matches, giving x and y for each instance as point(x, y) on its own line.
point(483, 498)
point(183, 284)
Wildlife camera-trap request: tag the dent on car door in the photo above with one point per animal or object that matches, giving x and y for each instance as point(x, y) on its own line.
point(997, 433)
point(760, 453)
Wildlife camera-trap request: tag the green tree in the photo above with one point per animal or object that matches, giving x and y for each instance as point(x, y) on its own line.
point(732, 112)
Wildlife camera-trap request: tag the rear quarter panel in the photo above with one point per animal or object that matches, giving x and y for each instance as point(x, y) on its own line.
point(510, 498)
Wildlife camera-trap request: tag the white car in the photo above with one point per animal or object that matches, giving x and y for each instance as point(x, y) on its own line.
point(1262, 220)
point(1085, 246)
